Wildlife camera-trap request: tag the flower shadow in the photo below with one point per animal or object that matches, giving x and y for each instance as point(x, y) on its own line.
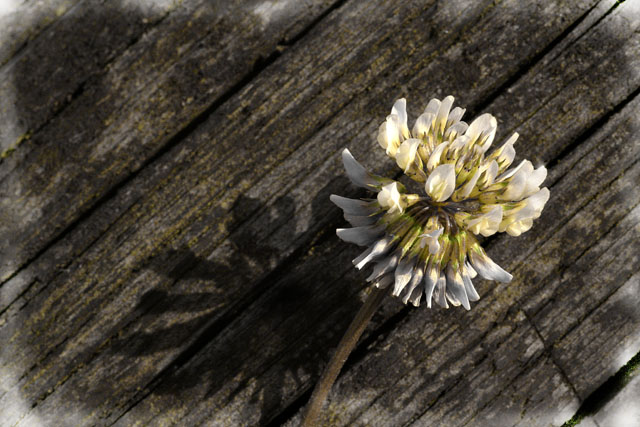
point(215, 343)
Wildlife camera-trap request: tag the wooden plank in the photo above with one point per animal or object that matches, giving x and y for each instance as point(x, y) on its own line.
point(563, 205)
point(110, 243)
point(606, 339)
point(266, 381)
point(581, 290)
point(59, 62)
point(608, 195)
point(571, 355)
point(566, 204)
point(116, 124)
point(585, 182)
point(20, 23)
point(576, 292)
point(623, 410)
point(154, 227)
point(43, 273)
point(450, 382)
point(539, 397)
point(256, 246)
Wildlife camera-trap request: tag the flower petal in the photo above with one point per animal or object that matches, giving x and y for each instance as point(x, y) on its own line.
point(361, 236)
point(403, 275)
point(412, 286)
point(489, 174)
point(353, 206)
point(487, 223)
point(389, 135)
point(516, 228)
point(432, 107)
point(482, 130)
point(455, 115)
point(422, 125)
point(455, 286)
point(389, 198)
point(452, 298)
point(470, 270)
point(364, 255)
point(532, 209)
point(487, 268)
point(384, 281)
point(400, 110)
point(415, 296)
point(505, 154)
point(384, 266)
point(357, 173)
point(360, 220)
point(443, 114)
point(431, 238)
point(440, 291)
point(537, 201)
point(455, 130)
point(508, 174)
point(380, 248)
point(406, 153)
point(518, 182)
point(441, 182)
point(430, 281)
point(534, 180)
point(435, 157)
point(468, 286)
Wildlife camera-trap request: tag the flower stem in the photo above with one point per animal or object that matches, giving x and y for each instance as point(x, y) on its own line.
point(346, 345)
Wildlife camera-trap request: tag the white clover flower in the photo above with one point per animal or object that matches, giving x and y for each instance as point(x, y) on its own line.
point(425, 245)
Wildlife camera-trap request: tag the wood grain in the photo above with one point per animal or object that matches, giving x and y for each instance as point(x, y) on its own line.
point(169, 254)
point(130, 113)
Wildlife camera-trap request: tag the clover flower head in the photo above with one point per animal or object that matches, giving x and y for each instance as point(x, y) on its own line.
point(423, 243)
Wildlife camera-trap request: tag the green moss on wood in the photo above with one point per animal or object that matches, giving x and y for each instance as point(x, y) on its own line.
point(606, 392)
point(9, 150)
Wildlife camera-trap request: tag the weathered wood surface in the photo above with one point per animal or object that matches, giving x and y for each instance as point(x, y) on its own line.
point(167, 245)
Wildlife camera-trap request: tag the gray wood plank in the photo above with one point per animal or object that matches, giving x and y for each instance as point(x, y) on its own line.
point(22, 22)
point(64, 47)
point(540, 396)
point(603, 166)
point(607, 339)
point(135, 108)
point(195, 249)
point(466, 379)
point(623, 410)
point(200, 365)
point(572, 354)
point(569, 193)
